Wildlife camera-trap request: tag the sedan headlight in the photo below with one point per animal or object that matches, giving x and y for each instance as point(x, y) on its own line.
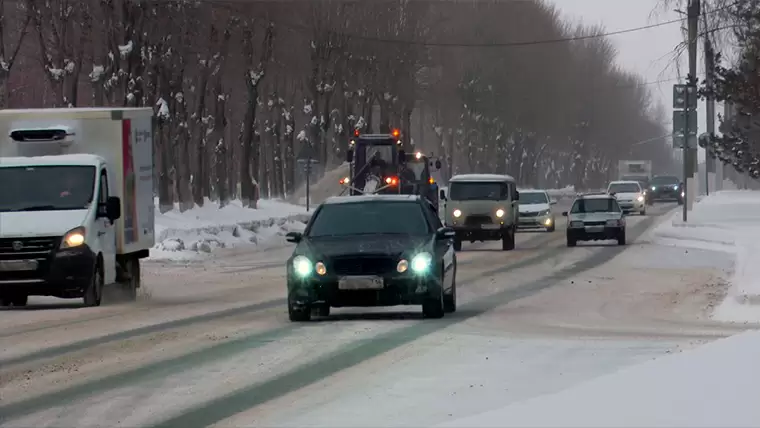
point(613, 223)
point(576, 224)
point(402, 266)
point(500, 213)
point(421, 262)
point(654, 188)
point(73, 238)
point(302, 266)
point(545, 212)
point(457, 213)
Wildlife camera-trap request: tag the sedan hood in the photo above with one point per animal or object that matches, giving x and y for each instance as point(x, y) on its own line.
point(532, 208)
point(364, 244)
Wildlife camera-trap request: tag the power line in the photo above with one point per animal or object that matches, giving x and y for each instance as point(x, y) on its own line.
point(298, 27)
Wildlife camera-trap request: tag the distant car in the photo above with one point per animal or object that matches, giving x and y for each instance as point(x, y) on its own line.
point(666, 188)
point(630, 195)
point(536, 210)
point(595, 217)
point(372, 250)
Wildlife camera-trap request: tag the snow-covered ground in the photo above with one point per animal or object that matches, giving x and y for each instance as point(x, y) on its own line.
point(201, 230)
point(727, 221)
point(715, 385)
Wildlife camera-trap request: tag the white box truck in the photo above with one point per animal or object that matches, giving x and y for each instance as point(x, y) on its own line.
point(76, 202)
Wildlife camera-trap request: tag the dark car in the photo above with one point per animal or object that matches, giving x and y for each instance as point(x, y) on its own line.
point(666, 188)
point(373, 250)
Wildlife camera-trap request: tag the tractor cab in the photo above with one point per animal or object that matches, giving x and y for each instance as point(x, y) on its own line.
point(416, 177)
point(375, 161)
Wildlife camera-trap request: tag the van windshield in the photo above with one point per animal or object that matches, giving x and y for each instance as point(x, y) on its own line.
point(46, 188)
point(478, 191)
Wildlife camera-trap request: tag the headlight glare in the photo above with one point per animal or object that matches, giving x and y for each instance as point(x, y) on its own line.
point(640, 199)
point(421, 262)
point(402, 266)
point(500, 213)
point(457, 213)
point(73, 238)
point(302, 266)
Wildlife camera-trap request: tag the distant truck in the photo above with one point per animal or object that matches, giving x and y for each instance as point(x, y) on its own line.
point(634, 170)
point(76, 204)
point(637, 170)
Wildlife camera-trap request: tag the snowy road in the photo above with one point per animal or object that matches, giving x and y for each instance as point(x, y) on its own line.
point(210, 344)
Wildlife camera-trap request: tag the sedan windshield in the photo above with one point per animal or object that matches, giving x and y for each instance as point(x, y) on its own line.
point(46, 188)
point(369, 218)
point(533, 198)
point(624, 188)
point(598, 205)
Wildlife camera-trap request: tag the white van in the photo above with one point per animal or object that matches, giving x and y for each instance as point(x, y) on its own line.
point(482, 207)
point(76, 202)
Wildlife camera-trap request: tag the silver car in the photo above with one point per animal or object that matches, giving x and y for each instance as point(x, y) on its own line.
point(595, 217)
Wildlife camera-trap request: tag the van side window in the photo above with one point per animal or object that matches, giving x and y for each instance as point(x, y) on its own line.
point(103, 193)
point(506, 191)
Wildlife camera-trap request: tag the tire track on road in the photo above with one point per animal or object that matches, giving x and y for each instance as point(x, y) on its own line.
point(58, 351)
point(183, 363)
point(242, 400)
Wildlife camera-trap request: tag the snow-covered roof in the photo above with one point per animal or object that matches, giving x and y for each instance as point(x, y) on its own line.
point(370, 198)
point(480, 177)
point(59, 160)
point(70, 110)
point(625, 182)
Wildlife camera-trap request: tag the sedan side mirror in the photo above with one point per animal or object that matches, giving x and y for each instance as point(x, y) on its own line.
point(553, 202)
point(445, 233)
point(564, 213)
point(294, 237)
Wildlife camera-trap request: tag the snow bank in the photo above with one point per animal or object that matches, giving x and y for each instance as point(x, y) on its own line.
point(715, 385)
point(726, 221)
point(328, 185)
point(201, 230)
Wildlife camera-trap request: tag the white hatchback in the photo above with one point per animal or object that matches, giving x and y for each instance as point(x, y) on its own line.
point(630, 196)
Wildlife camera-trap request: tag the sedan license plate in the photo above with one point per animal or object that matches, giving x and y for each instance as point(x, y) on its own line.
point(489, 226)
point(17, 265)
point(360, 283)
point(594, 229)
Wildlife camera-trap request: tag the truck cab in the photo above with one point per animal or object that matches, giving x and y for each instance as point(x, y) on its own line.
point(76, 207)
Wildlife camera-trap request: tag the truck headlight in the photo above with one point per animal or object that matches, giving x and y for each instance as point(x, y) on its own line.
point(500, 213)
point(302, 266)
point(421, 262)
point(73, 238)
point(457, 213)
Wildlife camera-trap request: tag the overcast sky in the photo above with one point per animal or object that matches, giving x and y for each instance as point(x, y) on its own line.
point(647, 52)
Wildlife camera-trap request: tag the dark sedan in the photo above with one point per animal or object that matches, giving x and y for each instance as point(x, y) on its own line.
point(666, 188)
point(373, 250)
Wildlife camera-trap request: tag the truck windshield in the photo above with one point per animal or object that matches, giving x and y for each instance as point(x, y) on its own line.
point(46, 188)
point(474, 191)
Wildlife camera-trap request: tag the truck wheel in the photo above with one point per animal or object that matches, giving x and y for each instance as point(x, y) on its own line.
point(457, 244)
point(508, 240)
point(130, 286)
point(94, 291)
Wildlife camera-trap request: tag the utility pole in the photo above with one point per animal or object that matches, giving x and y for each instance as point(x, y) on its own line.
point(693, 13)
point(711, 165)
